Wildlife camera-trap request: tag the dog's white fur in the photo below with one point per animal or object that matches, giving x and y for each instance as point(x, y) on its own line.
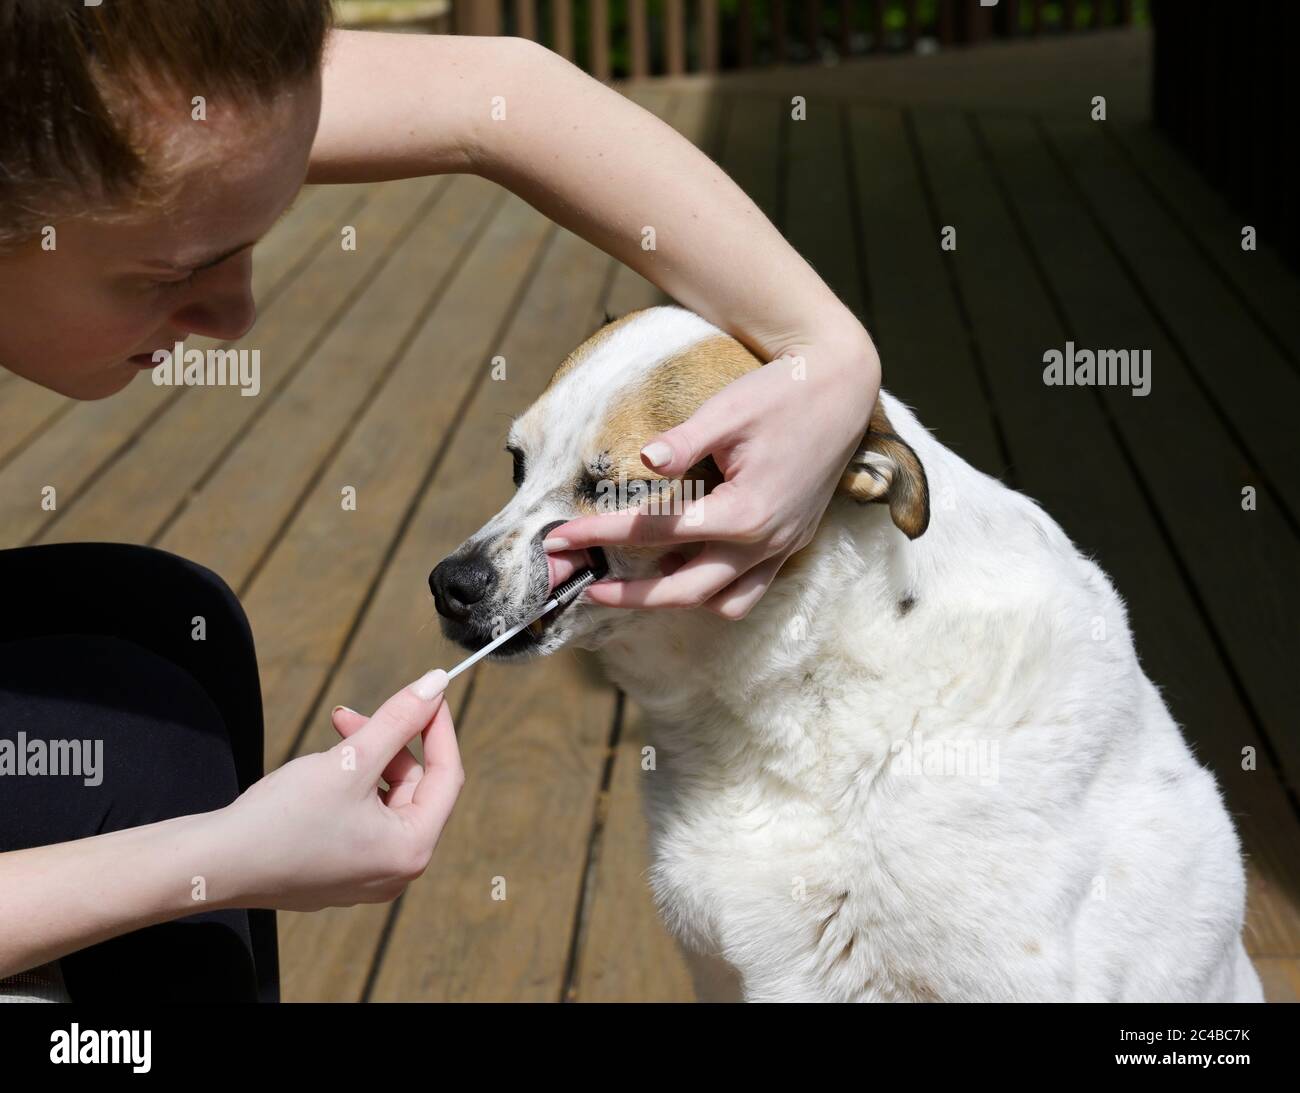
point(799, 828)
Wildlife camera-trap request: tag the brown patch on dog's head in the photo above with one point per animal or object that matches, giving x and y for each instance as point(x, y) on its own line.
point(668, 396)
point(885, 469)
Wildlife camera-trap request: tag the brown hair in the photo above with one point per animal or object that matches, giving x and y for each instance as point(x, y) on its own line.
point(65, 69)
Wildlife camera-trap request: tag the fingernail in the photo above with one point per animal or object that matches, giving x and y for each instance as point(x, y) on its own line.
point(549, 545)
point(657, 454)
point(430, 685)
point(336, 709)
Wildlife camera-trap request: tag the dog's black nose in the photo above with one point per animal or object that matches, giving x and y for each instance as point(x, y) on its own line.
point(457, 583)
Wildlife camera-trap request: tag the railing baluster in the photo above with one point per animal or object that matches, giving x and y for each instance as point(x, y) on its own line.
point(599, 27)
point(675, 36)
point(1008, 18)
point(476, 17)
point(638, 32)
point(956, 22)
point(710, 32)
point(745, 34)
point(562, 28)
point(525, 19)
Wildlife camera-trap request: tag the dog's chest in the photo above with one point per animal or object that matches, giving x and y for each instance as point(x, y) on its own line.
point(782, 853)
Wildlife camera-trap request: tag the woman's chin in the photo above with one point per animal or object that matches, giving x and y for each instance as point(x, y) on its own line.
point(96, 385)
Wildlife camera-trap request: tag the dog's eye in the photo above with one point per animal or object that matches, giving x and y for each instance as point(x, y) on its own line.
point(611, 494)
point(518, 457)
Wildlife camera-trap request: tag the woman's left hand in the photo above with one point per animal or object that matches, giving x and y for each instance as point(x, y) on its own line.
point(781, 435)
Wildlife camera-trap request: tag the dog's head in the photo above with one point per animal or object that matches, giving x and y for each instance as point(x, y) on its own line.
point(576, 452)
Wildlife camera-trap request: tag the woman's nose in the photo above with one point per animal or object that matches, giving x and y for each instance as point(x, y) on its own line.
point(221, 305)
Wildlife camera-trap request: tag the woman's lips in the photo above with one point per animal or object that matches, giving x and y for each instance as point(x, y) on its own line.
point(142, 360)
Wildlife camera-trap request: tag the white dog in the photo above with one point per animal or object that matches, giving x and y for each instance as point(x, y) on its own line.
point(926, 766)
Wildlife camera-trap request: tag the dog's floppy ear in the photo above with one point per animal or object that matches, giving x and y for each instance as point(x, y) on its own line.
point(885, 469)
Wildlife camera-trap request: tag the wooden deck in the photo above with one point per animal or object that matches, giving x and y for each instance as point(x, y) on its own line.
point(375, 376)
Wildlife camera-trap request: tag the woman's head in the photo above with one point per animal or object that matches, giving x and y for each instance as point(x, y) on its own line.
point(145, 145)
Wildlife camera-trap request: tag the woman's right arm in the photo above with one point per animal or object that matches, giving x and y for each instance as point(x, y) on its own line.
point(57, 899)
point(317, 832)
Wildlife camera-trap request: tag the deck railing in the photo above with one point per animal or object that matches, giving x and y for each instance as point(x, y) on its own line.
point(671, 37)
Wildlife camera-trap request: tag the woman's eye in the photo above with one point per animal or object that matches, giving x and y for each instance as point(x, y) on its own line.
point(179, 282)
point(518, 473)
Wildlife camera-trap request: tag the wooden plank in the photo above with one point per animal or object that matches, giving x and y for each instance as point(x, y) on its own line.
point(441, 945)
point(73, 451)
point(749, 148)
point(26, 411)
point(627, 954)
point(1259, 280)
point(536, 750)
point(1252, 384)
point(926, 351)
point(337, 561)
point(817, 203)
point(149, 486)
point(304, 601)
point(1243, 570)
point(1098, 501)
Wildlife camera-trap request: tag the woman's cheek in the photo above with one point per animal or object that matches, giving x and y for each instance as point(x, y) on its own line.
point(85, 357)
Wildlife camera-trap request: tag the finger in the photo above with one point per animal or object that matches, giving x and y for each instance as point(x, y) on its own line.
point(437, 790)
point(403, 767)
point(397, 722)
point(692, 585)
point(346, 721)
point(737, 600)
point(674, 452)
point(711, 517)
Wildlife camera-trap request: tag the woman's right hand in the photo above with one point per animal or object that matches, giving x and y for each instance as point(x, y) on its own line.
point(321, 832)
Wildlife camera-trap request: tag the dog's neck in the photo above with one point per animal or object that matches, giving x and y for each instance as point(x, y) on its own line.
point(688, 668)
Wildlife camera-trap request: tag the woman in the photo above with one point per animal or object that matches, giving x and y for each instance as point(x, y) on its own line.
point(146, 147)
